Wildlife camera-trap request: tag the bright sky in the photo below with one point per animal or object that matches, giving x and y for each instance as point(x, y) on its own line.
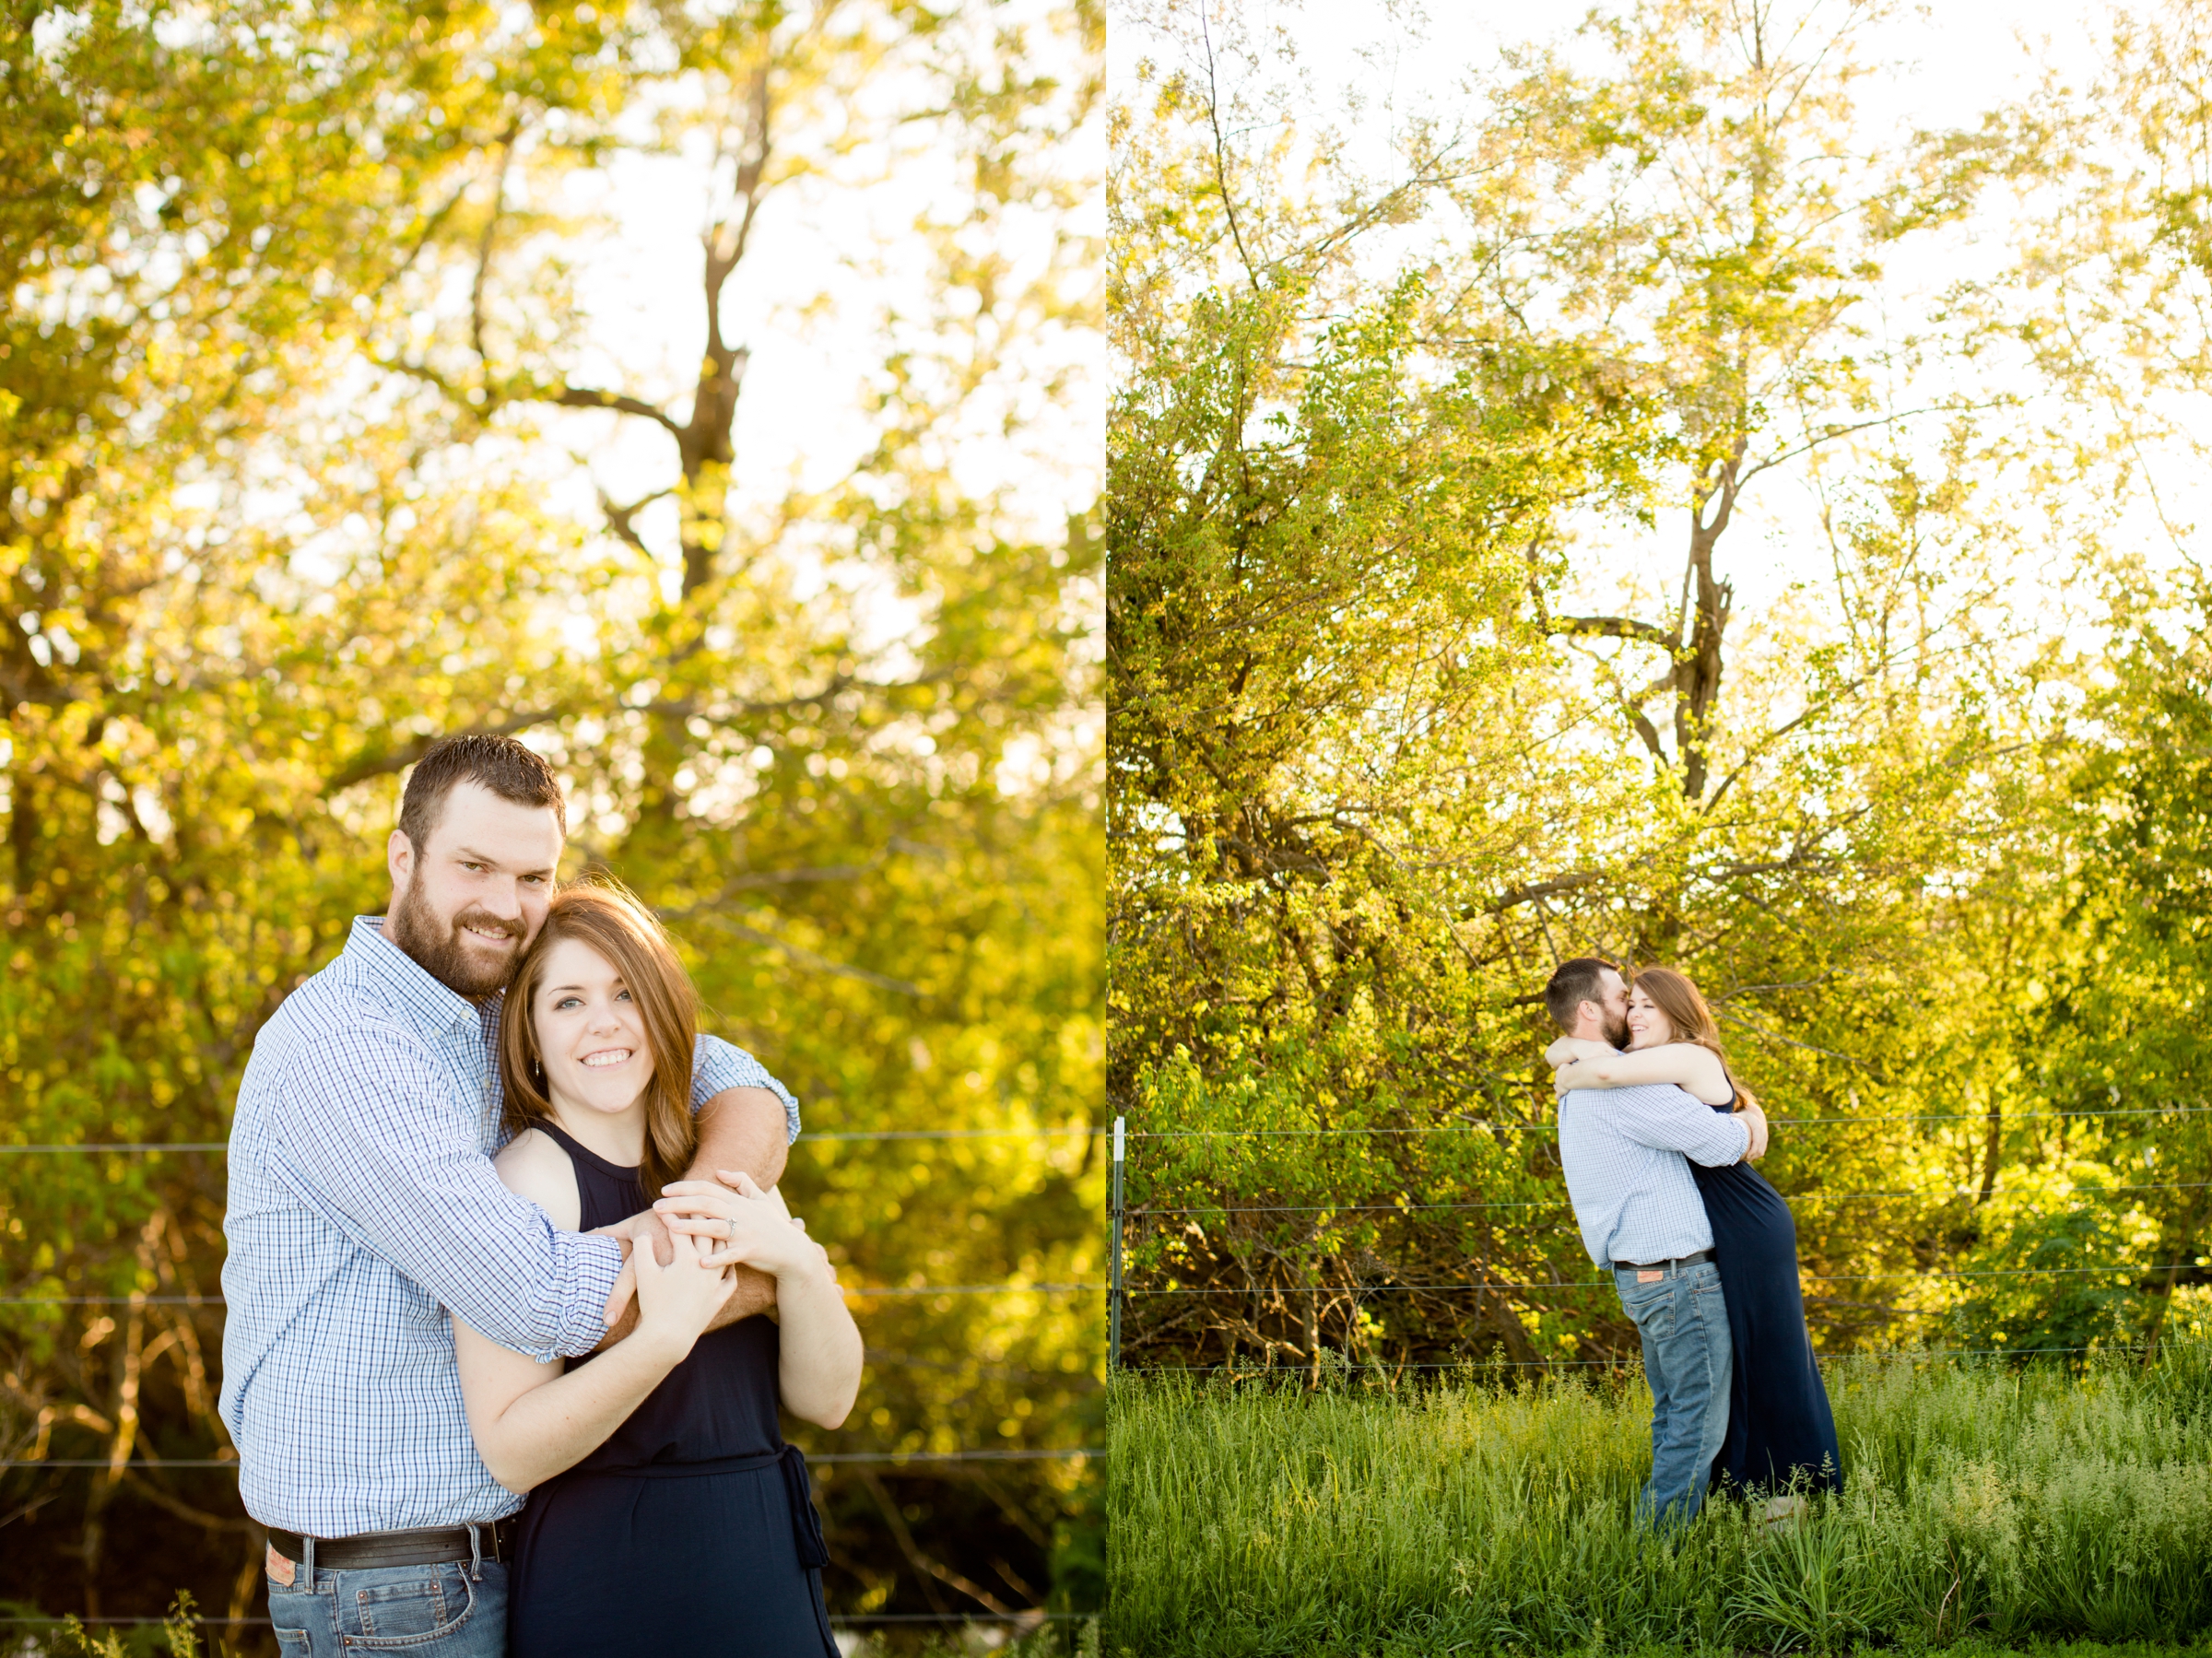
point(1943, 67)
point(843, 256)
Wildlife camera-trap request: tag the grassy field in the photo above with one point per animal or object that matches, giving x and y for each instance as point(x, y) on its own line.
point(1999, 1508)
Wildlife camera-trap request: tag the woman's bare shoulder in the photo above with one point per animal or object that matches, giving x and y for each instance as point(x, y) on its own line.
point(535, 1165)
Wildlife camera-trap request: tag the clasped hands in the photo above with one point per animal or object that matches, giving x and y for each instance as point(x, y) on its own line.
point(731, 1221)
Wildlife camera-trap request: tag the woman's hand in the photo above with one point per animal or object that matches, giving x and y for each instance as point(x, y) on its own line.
point(677, 1302)
point(1756, 1121)
point(1566, 1049)
point(751, 1227)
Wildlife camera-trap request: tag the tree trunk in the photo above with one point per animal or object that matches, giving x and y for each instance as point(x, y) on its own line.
point(1697, 661)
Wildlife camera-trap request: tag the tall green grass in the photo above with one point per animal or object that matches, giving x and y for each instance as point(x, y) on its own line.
point(2002, 1505)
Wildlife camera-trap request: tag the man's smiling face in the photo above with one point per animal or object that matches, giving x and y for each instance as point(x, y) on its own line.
point(468, 901)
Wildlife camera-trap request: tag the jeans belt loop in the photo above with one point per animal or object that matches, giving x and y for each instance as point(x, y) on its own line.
point(307, 1548)
point(475, 1553)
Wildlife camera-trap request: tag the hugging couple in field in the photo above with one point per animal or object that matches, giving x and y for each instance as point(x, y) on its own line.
point(1657, 1143)
point(484, 1145)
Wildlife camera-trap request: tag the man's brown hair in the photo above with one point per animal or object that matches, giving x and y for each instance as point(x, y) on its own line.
point(500, 764)
point(634, 942)
point(1574, 983)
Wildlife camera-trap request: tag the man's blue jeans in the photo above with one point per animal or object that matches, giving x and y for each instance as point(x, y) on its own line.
point(450, 1610)
point(1686, 1355)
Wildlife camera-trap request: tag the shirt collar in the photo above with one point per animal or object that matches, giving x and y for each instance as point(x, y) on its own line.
point(433, 1005)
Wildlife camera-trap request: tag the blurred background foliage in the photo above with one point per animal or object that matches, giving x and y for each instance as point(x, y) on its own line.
point(303, 414)
point(1652, 503)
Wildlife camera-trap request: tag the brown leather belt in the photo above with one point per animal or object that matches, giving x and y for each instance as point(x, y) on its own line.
point(1675, 1261)
point(429, 1546)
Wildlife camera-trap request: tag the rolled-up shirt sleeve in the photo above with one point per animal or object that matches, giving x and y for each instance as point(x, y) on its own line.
point(369, 1140)
point(717, 1065)
point(1672, 1121)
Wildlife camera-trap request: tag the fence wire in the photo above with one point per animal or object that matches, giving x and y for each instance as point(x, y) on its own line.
point(892, 1461)
point(1471, 1127)
point(857, 1137)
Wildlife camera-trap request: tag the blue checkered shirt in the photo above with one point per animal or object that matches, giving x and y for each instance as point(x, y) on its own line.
point(363, 1205)
point(1623, 1151)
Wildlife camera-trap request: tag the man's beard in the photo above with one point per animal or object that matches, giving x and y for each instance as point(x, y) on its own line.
point(1616, 1029)
point(444, 955)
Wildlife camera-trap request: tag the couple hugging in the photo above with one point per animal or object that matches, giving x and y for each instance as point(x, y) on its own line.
point(1657, 1144)
point(485, 1145)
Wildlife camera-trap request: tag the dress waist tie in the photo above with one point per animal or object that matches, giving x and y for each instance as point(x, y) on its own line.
point(806, 1523)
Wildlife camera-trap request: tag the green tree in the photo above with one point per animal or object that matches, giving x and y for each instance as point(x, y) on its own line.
point(1381, 659)
point(285, 310)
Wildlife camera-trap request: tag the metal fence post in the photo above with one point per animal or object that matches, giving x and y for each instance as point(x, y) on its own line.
point(1113, 1288)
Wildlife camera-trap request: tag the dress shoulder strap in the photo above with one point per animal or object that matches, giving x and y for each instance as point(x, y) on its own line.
point(607, 1191)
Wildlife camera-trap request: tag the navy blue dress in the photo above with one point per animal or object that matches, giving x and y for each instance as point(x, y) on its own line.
point(691, 1529)
point(1779, 1423)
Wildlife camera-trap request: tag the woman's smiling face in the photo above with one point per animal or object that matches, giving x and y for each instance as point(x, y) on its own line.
point(590, 1030)
point(1648, 1027)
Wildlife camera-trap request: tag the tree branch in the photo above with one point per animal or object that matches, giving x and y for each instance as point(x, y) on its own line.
point(581, 397)
point(618, 519)
point(798, 953)
point(1612, 626)
point(1517, 896)
point(491, 225)
point(1213, 116)
point(922, 1562)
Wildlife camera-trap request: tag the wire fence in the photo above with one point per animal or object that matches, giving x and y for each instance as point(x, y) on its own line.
point(891, 1461)
point(1119, 1293)
point(1146, 1211)
point(1124, 1214)
point(1620, 1361)
point(858, 1137)
point(837, 1621)
point(1059, 1454)
point(1471, 1126)
point(877, 1291)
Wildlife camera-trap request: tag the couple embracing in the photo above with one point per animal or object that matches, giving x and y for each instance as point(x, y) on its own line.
point(503, 1222)
point(1657, 1144)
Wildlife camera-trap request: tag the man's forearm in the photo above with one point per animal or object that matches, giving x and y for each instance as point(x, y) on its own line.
point(753, 1292)
point(743, 1129)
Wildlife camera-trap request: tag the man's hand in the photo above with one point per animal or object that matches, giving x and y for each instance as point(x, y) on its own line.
point(1756, 1121)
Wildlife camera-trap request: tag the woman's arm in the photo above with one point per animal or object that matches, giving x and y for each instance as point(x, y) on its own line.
point(1696, 1070)
point(1570, 1048)
point(529, 1420)
point(818, 1373)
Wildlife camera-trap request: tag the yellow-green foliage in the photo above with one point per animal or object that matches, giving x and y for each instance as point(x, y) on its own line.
point(280, 504)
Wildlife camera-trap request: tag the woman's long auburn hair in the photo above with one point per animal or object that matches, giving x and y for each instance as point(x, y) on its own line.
point(636, 945)
point(1673, 993)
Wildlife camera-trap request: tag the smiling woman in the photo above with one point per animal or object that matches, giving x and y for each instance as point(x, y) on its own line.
point(602, 981)
point(635, 1457)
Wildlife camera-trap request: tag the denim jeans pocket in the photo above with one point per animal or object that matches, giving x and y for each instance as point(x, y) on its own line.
point(428, 1604)
point(293, 1613)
